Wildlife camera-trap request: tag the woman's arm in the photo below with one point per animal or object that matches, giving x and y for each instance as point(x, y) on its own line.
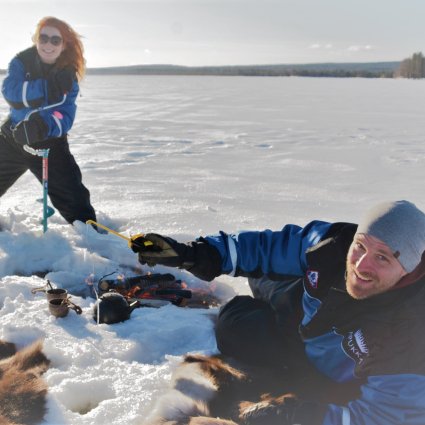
point(18, 92)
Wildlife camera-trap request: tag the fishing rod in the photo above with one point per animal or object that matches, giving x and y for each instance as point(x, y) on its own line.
point(120, 235)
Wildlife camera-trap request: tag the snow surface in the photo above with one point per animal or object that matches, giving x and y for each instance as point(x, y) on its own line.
point(188, 156)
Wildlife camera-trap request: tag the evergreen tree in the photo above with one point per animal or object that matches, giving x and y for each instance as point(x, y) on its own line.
point(413, 67)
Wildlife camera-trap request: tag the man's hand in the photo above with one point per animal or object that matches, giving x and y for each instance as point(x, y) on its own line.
point(29, 132)
point(284, 410)
point(156, 249)
point(269, 411)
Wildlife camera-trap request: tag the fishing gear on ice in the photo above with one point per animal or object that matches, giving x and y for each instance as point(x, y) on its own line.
point(120, 296)
point(44, 153)
point(112, 308)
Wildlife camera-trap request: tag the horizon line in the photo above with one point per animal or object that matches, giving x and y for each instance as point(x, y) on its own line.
point(236, 65)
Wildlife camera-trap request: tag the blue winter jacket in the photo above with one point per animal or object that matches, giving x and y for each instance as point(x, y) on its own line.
point(25, 88)
point(380, 340)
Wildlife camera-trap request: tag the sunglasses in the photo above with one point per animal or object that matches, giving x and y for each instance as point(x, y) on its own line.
point(55, 40)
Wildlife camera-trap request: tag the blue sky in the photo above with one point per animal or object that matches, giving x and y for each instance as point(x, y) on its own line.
point(221, 32)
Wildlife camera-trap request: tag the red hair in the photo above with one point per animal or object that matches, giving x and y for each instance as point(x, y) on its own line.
point(73, 53)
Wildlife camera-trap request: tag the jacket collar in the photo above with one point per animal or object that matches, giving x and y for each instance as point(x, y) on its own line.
point(417, 274)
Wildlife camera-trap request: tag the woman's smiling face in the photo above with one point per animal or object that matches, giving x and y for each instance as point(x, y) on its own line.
point(50, 44)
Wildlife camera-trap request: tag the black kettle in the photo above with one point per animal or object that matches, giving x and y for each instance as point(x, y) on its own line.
point(112, 307)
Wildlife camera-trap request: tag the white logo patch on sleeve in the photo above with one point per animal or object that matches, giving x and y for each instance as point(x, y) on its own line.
point(313, 278)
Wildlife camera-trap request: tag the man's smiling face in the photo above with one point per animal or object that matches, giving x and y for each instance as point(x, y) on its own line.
point(371, 267)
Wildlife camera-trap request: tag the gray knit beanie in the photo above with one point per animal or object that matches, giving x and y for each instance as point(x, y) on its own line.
point(400, 225)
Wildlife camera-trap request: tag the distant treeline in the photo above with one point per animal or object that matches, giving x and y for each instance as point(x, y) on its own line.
point(366, 70)
point(413, 67)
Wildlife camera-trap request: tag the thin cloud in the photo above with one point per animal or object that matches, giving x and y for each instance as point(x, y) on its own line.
point(321, 46)
point(357, 48)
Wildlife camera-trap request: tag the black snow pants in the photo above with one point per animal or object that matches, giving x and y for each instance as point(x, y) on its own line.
point(247, 329)
point(65, 187)
point(263, 329)
point(251, 331)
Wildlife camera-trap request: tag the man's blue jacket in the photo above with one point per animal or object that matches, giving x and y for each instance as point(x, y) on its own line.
point(380, 340)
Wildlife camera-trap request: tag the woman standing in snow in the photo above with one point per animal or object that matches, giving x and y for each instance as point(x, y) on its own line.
point(41, 76)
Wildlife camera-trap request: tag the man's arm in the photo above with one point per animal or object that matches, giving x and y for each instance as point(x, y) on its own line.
point(385, 399)
point(278, 254)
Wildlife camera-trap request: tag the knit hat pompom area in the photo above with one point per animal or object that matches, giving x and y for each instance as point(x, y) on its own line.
point(401, 226)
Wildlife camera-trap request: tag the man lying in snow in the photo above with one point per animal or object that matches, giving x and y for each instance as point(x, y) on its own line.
point(342, 299)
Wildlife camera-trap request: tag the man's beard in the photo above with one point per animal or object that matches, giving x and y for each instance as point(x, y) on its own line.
point(359, 291)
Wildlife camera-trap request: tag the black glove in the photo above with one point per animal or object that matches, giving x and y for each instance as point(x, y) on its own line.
point(29, 132)
point(283, 410)
point(60, 82)
point(200, 258)
point(156, 249)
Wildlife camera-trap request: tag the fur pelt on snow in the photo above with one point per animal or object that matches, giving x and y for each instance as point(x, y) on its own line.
point(22, 390)
point(215, 390)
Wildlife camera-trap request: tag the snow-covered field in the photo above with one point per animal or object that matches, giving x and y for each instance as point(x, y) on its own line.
point(188, 156)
